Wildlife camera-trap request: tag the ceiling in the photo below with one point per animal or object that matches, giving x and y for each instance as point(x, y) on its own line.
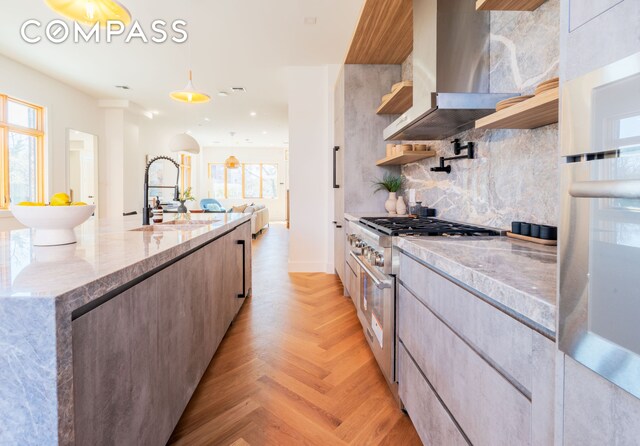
point(245, 43)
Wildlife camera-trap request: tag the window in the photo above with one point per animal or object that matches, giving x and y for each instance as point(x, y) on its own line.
point(185, 172)
point(22, 152)
point(248, 181)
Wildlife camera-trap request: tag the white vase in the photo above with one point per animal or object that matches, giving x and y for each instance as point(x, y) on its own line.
point(390, 204)
point(401, 207)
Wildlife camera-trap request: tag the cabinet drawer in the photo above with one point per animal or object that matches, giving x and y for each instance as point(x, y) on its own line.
point(431, 420)
point(506, 341)
point(488, 408)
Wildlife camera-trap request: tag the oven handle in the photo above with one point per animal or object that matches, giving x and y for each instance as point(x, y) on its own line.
point(378, 278)
point(606, 189)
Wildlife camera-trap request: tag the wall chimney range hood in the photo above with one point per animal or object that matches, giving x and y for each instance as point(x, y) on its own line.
point(450, 71)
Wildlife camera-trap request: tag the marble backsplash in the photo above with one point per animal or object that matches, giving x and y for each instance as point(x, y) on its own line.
point(515, 173)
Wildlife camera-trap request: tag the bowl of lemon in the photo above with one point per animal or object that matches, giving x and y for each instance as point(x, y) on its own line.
point(54, 222)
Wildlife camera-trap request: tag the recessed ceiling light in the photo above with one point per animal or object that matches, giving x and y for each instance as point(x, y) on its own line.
point(207, 119)
point(223, 94)
point(264, 132)
point(123, 87)
point(253, 114)
point(310, 20)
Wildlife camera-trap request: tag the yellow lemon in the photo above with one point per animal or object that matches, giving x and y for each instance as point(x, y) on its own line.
point(60, 199)
point(29, 203)
point(79, 203)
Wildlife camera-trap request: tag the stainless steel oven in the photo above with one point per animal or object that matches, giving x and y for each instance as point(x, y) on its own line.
point(371, 254)
point(599, 306)
point(376, 311)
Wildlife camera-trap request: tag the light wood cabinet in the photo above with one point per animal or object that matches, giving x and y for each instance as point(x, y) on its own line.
point(138, 358)
point(492, 375)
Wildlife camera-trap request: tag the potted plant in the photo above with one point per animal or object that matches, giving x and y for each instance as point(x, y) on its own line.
point(183, 198)
point(392, 184)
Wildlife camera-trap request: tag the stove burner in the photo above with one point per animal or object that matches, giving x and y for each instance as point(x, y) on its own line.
point(396, 226)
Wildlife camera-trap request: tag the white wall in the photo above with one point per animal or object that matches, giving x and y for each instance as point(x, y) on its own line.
point(310, 141)
point(248, 155)
point(125, 137)
point(66, 108)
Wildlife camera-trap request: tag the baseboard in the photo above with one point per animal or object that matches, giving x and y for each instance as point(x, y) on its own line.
point(310, 267)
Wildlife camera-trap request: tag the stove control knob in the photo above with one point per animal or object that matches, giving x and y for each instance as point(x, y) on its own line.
point(379, 259)
point(367, 252)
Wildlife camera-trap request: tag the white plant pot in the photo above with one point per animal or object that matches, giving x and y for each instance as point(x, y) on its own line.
point(390, 204)
point(401, 207)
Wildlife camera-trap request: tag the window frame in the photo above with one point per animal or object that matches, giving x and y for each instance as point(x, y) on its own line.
point(186, 164)
point(38, 133)
point(244, 178)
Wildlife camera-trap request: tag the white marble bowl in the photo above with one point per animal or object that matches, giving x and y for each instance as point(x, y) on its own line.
point(53, 224)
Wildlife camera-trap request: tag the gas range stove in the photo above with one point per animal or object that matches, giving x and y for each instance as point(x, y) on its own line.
point(406, 226)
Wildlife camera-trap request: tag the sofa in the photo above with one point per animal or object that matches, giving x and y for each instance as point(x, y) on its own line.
point(259, 216)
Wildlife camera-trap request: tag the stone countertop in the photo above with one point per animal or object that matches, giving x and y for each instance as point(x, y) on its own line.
point(108, 254)
point(520, 275)
point(375, 214)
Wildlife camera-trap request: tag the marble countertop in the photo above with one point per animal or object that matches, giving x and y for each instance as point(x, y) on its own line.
point(519, 275)
point(357, 216)
point(108, 254)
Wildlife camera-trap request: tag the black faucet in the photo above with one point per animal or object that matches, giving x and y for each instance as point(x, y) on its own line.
point(457, 150)
point(146, 212)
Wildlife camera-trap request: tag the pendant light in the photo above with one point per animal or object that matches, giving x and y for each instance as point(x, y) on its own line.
point(184, 143)
point(91, 12)
point(189, 94)
point(232, 162)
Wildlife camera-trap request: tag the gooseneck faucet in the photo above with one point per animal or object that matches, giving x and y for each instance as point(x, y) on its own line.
point(457, 150)
point(147, 210)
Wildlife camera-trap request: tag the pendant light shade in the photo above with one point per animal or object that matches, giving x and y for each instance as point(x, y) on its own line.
point(189, 94)
point(184, 143)
point(232, 162)
point(91, 12)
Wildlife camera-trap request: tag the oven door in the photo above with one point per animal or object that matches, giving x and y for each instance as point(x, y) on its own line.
point(376, 311)
point(599, 268)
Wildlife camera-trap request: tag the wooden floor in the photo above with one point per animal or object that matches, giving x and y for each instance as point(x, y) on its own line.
point(294, 369)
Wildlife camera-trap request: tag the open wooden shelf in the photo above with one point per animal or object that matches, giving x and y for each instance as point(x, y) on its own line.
point(508, 5)
point(406, 158)
point(384, 34)
point(540, 110)
point(399, 102)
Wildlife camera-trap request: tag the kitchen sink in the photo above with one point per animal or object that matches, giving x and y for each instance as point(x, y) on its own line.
point(176, 225)
point(187, 222)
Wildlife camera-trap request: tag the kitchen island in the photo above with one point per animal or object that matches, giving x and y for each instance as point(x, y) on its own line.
point(104, 341)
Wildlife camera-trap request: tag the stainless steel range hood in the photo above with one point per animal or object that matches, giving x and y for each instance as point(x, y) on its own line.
point(450, 71)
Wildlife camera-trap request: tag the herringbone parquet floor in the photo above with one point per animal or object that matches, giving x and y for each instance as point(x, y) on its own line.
point(294, 369)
